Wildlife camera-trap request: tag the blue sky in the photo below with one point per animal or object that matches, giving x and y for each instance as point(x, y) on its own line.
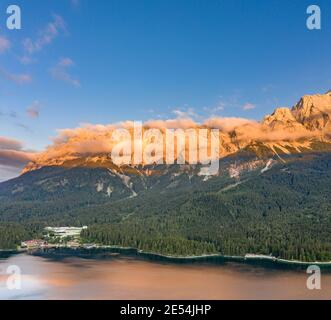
point(84, 61)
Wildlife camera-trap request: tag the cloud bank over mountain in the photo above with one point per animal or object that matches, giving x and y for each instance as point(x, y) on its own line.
point(308, 119)
point(13, 157)
point(286, 128)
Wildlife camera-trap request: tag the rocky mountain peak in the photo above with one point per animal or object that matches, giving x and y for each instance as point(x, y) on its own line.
point(281, 118)
point(313, 111)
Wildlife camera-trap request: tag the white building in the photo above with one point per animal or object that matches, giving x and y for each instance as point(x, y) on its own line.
point(63, 232)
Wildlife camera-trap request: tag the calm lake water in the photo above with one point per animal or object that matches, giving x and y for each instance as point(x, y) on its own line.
point(129, 278)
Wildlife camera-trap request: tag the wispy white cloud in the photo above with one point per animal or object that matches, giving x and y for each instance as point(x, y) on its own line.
point(65, 62)
point(21, 78)
point(33, 110)
point(4, 44)
point(249, 106)
point(220, 107)
point(232, 101)
point(46, 36)
point(60, 72)
point(185, 114)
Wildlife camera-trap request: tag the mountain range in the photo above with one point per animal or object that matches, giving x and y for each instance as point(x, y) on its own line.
point(271, 195)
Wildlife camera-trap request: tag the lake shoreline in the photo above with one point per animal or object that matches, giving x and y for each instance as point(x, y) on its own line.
point(109, 251)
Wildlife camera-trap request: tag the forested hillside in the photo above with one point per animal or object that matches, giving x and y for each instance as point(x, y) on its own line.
point(284, 211)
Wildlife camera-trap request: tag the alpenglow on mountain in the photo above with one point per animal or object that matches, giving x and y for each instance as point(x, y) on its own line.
point(304, 127)
point(271, 195)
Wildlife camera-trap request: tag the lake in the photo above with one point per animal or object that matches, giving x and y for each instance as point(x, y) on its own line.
point(125, 277)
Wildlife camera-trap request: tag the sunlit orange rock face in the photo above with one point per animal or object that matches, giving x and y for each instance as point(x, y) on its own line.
point(314, 111)
point(304, 127)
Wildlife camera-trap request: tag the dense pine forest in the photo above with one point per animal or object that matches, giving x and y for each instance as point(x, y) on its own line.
point(11, 234)
point(285, 212)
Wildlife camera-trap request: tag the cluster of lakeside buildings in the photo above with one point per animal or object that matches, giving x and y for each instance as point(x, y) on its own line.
point(56, 237)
